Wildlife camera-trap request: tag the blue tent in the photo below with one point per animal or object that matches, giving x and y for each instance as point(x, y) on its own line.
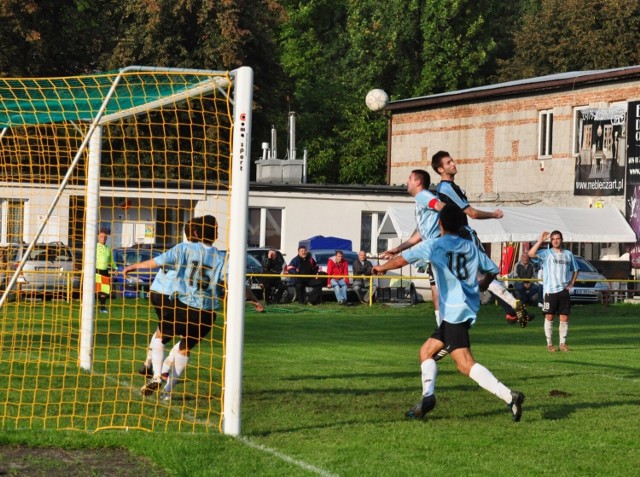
point(319, 241)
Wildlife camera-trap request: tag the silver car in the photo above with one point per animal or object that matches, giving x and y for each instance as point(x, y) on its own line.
point(588, 287)
point(47, 273)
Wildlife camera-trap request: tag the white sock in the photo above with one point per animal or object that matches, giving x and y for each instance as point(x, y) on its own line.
point(168, 362)
point(179, 364)
point(429, 373)
point(563, 329)
point(156, 349)
point(498, 289)
point(438, 319)
point(548, 330)
point(488, 381)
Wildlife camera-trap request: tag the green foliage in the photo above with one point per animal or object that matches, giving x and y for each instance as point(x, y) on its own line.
point(574, 35)
point(457, 42)
point(55, 37)
point(319, 58)
point(335, 55)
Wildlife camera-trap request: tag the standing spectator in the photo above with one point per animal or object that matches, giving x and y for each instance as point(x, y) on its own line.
point(104, 266)
point(304, 264)
point(560, 273)
point(451, 194)
point(362, 267)
point(459, 302)
point(273, 286)
point(526, 291)
point(338, 271)
point(427, 207)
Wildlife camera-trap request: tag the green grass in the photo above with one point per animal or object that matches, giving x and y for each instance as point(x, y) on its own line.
point(326, 388)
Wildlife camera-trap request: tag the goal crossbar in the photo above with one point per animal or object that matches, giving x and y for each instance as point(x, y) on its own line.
point(89, 103)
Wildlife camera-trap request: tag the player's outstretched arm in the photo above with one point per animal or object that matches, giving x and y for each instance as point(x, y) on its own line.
point(151, 263)
point(396, 262)
point(482, 214)
point(410, 242)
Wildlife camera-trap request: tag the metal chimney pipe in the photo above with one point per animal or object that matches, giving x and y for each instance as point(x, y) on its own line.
point(274, 143)
point(292, 135)
point(304, 165)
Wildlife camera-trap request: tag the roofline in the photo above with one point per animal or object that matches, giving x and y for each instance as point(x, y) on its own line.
point(355, 189)
point(199, 186)
point(543, 84)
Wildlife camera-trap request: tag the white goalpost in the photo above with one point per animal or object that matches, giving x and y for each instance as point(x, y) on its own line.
point(241, 160)
point(116, 101)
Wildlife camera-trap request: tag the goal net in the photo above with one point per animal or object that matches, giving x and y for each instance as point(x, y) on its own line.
point(135, 154)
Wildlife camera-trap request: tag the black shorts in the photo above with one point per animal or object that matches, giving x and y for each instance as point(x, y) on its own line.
point(453, 336)
point(193, 324)
point(164, 305)
point(557, 303)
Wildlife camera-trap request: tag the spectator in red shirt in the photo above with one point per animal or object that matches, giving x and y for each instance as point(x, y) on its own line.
point(338, 271)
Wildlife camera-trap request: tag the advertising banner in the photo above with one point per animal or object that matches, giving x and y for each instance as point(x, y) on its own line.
point(600, 144)
point(633, 178)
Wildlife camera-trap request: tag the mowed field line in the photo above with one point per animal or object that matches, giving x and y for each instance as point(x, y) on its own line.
point(286, 458)
point(242, 439)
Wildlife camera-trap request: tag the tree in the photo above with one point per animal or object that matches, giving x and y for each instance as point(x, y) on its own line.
point(55, 37)
point(210, 35)
point(336, 50)
point(573, 35)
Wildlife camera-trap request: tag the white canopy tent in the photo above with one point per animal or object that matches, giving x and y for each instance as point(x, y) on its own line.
point(524, 224)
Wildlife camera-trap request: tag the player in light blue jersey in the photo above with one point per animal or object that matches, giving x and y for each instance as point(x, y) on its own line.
point(451, 194)
point(199, 280)
point(161, 295)
point(426, 212)
point(456, 263)
point(560, 271)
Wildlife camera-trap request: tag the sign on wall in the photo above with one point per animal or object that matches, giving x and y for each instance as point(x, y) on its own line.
point(601, 151)
point(633, 178)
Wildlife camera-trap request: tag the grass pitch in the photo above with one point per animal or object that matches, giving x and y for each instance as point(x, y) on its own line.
point(326, 388)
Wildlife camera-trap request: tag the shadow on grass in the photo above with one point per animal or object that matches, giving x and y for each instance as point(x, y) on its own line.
point(565, 410)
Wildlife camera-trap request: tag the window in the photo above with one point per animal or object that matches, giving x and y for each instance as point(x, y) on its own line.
point(12, 220)
point(369, 224)
point(265, 228)
point(545, 148)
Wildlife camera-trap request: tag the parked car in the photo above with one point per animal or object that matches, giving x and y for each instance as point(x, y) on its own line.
point(254, 267)
point(588, 291)
point(47, 272)
point(260, 254)
point(137, 283)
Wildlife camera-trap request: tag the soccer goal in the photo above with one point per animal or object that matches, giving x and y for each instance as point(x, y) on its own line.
point(134, 153)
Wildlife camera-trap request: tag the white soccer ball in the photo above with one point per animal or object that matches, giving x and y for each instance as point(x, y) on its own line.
point(376, 99)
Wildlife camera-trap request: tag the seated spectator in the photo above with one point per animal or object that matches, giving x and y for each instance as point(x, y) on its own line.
point(273, 286)
point(304, 264)
point(339, 267)
point(527, 292)
point(362, 267)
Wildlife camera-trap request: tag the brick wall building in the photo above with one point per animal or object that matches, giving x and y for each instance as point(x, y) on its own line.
point(560, 140)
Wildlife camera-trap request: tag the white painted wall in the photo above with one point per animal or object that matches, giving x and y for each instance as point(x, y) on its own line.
point(308, 214)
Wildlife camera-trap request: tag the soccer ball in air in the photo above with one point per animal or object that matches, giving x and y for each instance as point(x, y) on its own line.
point(376, 99)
